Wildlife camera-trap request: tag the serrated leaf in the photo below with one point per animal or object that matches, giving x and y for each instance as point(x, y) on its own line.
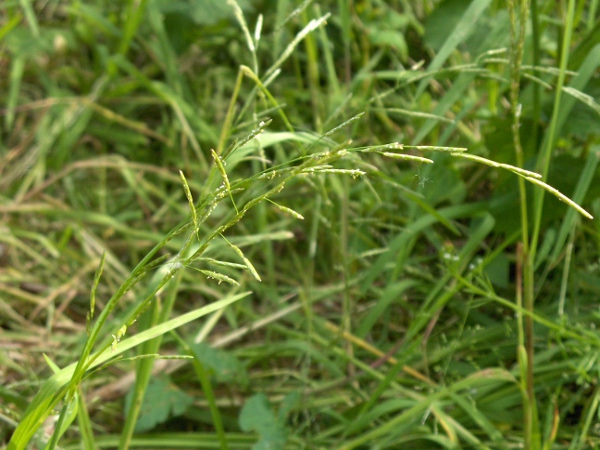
point(161, 402)
point(257, 415)
point(223, 365)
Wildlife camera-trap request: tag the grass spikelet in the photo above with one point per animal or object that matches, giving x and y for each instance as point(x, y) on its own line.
point(354, 173)
point(287, 210)
point(217, 262)
point(488, 162)
point(97, 276)
point(380, 148)
point(406, 112)
point(239, 15)
point(405, 157)
point(219, 277)
point(246, 261)
point(436, 148)
point(191, 204)
point(261, 127)
point(221, 168)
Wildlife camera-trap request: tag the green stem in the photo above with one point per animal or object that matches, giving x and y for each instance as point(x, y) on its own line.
point(531, 429)
point(537, 108)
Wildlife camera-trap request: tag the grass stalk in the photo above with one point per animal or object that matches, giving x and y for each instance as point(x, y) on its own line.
point(526, 339)
point(31, 17)
point(313, 75)
point(85, 424)
point(226, 128)
point(535, 41)
point(143, 373)
point(159, 313)
point(347, 304)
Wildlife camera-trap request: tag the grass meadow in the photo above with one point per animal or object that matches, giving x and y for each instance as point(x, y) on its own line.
point(282, 224)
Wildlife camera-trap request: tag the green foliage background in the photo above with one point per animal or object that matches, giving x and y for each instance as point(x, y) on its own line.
point(391, 316)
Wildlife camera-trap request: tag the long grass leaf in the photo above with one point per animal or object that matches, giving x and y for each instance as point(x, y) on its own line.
point(52, 391)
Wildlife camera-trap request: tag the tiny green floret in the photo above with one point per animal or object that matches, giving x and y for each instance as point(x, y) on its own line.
point(287, 210)
point(436, 148)
point(121, 332)
point(406, 157)
point(219, 277)
point(221, 168)
point(90, 315)
point(190, 199)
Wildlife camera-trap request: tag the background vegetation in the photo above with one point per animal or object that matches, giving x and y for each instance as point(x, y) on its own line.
point(241, 188)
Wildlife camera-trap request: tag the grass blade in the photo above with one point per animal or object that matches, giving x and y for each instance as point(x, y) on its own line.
point(54, 388)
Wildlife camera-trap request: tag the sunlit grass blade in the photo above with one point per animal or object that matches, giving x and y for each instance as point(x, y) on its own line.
point(53, 389)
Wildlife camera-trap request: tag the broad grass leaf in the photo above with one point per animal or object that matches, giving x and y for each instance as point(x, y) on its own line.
point(585, 47)
point(442, 21)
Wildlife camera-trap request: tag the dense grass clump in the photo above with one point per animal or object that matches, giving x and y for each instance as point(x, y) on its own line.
point(318, 224)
